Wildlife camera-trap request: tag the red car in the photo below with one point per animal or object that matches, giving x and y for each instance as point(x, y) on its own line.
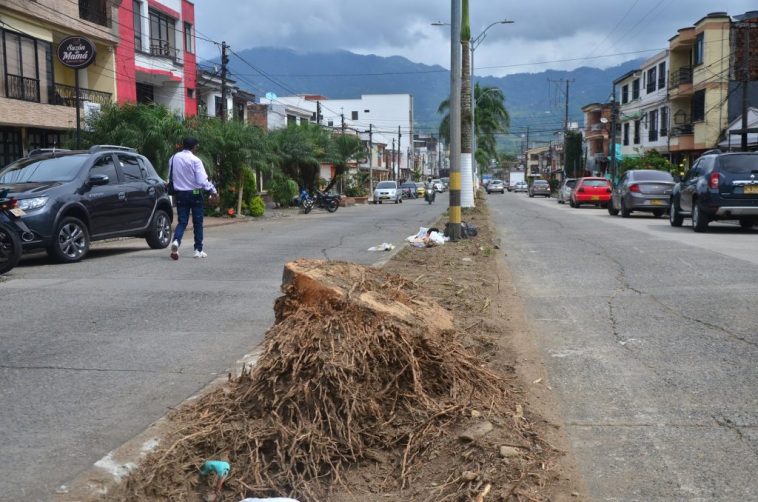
point(591, 191)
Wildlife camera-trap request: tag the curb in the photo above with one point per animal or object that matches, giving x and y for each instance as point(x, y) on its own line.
point(107, 473)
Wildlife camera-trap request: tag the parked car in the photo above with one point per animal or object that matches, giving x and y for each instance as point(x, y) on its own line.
point(409, 190)
point(71, 198)
point(719, 186)
point(446, 182)
point(564, 191)
point(420, 189)
point(641, 190)
point(495, 186)
point(438, 185)
point(591, 190)
point(539, 187)
point(521, 186)
point(389, 191)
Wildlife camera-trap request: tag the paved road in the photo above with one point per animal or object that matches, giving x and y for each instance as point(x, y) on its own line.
point(650, 337)
point(92, 353)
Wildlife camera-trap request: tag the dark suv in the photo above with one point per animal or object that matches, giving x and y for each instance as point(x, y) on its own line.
point(720, 186)
point(70, 198)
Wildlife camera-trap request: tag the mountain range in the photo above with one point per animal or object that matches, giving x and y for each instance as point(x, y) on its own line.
point(535, 100)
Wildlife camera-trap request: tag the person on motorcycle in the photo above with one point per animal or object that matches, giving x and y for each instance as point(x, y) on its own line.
point(429, 193)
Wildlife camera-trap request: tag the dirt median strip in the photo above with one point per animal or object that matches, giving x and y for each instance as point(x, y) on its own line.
point(504, 446)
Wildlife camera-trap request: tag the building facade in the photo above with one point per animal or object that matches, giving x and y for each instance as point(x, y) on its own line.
point(597, 136)
point(37, 104)
point(155, 58)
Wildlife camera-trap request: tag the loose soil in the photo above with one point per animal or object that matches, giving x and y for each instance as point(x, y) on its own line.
point(355, 399)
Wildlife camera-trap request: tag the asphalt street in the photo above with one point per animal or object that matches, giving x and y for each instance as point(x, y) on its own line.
point(94, 352)
point(649, 335)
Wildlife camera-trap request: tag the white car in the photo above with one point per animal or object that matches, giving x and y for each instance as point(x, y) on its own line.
point(389, 191)
point(439, 187)
point(521, 186)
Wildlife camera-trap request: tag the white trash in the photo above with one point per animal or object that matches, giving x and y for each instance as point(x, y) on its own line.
point(384, 246)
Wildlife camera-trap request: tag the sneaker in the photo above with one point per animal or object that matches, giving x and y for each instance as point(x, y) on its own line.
point(175, 250)
point(200, 254)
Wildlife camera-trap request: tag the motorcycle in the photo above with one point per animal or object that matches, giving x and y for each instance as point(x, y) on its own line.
point(11, 227)
point(429, 195)
point(322, 200)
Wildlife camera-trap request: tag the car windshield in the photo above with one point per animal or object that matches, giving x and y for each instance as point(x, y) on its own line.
point(495, 181)
point(740, 164)
point(540, 182)
point(40, 170)
point(386, 184)
point(652, 176)
point(595, 183)
point(571, 183)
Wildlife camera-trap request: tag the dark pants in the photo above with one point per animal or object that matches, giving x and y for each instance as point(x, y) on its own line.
point(186, 202)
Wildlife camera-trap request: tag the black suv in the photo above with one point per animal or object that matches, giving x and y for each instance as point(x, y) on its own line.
point(70, 198)
point(720, 186)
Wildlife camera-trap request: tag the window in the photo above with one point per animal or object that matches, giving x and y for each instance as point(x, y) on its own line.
point(105, 165)
point(239, 111)
point(625, 94)
point(636, 132)
point(162, 35)
point(10, 148)
point(636, 88)
point(145, 93)
point(651, 80)
point(662, 75)
point(137, 16)
point(190, 93)
point(130, 168)
point(219, 110)
point(28, 66)
point(698, 106)
point(188, 38)
point(626, 133)
point(664, 121)
point(354, 115)
point(697, 50)
point(330, 123)
point(652, 125)
point(94, 11)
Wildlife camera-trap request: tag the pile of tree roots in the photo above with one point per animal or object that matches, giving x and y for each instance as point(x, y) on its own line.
point(359, 366)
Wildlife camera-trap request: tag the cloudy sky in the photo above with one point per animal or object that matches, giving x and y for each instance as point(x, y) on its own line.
point(545, 34)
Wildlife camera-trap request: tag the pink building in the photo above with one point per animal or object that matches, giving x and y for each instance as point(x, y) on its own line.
point(155, 59)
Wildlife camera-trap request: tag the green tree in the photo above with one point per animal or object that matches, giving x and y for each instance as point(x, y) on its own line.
point(344, 149)
point(649, 160)
point(299, 150)
point(152, 130)
point(573, 165)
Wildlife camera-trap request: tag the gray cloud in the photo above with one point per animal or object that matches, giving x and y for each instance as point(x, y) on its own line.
point(544, 30)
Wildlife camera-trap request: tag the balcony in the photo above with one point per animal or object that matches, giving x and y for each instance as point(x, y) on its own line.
point(680, 77)
point(162, 48)
point(26, 89)
point(65, 95)
point(94, 11)
point(682, 130)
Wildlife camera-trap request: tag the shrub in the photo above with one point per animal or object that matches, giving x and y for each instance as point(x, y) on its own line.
point(257, 207)
point(283, 190)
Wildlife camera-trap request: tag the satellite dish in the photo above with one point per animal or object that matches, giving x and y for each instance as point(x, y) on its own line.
point(270, 96)
point(603, 120)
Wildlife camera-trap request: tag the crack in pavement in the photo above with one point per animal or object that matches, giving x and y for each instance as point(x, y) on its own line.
point(730, 425)
point(324, 250)
point(104, 370)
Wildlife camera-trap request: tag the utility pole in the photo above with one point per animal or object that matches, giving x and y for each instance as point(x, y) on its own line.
point(454, 211)
point(399, 151)
point(371, 160)
point(566, 129)
point(224, 63)
point(342, 116)
point(612, 149)
point(318, 112)
point(745, 82)
point(394, 173)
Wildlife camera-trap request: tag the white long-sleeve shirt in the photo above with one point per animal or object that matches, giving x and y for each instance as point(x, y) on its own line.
point(189, 172)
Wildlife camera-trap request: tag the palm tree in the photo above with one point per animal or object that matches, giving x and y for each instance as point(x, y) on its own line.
point(345, 149)
point(491, 118)
point(467, 199)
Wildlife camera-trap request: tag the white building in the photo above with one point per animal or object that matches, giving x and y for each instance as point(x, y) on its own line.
point(629, 128)
point(653, 104)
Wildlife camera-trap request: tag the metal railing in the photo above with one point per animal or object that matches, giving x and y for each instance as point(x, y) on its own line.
point(65, 95)
point(681, 76)
point(23, 88)
point(682, 130)
point(163, 48)
point(94, 11)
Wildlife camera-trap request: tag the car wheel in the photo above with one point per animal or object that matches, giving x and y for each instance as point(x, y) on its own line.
point(380, 202)
point(658, 213)
point(612, 210)
point(699, 220)
point(70, 241)
point(572, 203)
point(625, 212)
point(10, 249)
point(375, 202)
point(159, 234)
point(396, 201)
point(746, 223)
point(531, 195)
point(675, 218)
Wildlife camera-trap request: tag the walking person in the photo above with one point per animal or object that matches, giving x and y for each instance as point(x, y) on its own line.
point(191, 182)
